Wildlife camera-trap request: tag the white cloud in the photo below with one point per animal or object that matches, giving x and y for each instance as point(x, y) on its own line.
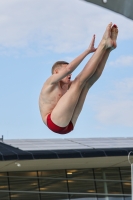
point(116, 112)
point(124, 87)
point(59, 25)
point(123, 61)
point(116, 107)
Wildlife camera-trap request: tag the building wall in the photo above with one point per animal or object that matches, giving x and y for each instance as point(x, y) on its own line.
point(78, 184)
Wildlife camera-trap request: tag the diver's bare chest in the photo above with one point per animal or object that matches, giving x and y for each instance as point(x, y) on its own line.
point(52, 96)
point(59, 93)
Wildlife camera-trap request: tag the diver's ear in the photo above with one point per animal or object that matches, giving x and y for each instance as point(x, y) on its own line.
point(56, 71)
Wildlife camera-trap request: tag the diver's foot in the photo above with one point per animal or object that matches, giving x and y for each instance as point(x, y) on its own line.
point(107, 40)
point(114, 33)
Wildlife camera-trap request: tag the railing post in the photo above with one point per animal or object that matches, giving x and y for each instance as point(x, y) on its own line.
point(131, 173)
point(105, 184)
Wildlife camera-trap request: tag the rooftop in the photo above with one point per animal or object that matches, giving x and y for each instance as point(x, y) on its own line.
point(40, 154)
point(72, 143)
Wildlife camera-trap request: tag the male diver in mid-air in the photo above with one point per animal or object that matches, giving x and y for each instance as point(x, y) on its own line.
point(61, 100)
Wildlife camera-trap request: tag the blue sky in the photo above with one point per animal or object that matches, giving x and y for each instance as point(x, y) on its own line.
point(34, 35)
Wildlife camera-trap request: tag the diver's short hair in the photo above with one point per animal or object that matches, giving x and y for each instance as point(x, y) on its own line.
point(58, 64)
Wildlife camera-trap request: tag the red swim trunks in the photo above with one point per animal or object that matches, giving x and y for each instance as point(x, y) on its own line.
point(61, 130)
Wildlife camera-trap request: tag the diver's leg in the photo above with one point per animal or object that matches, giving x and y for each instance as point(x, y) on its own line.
point(87, 86)
point(64, 110)
point(94, 77)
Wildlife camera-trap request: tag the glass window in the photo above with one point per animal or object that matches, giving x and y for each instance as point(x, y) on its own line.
point(106, 186)
point(112, 173)
point(23, 181)
point(3, 181)
point(82, 197)
point(54, 197)
point(126, 177)
point(53, 185)
point(24, 196)
point(110, 198)
point(4, 186)
point(53, 181)
point(80, 173)
point(81, 180)
point(23, 184)
point(4, 196)
point(126, 187)
point(125, 173)
point(52, 173)
point(83, 186)
point(107, 173)
point(3, 174)
point(127, 198)
point(114, 187)
point(26, 174)
point(116, 198)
